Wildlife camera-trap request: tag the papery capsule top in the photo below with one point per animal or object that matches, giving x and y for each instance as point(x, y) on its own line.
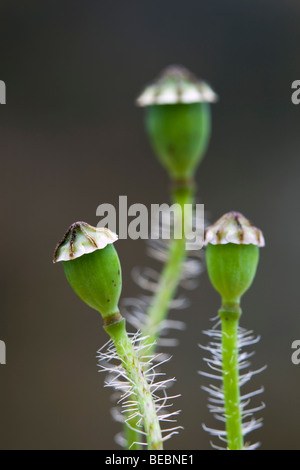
point(80, 239)
point(233, 227)
point(176, 85)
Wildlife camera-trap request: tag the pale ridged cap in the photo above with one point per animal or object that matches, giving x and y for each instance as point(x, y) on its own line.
point(176, 85)
point(233, 227)
point(81, 239)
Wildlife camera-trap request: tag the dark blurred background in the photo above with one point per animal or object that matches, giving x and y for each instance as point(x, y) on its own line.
point(71, 139)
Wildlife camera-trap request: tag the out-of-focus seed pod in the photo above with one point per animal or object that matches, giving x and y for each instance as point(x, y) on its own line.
point(178, 120)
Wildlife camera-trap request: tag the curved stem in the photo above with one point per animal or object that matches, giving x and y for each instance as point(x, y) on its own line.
point(183, 194)
point(171, 273)
point(231, 388)
point(140, 387)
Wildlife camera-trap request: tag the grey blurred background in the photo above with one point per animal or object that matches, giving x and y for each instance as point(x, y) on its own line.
point(71, 139)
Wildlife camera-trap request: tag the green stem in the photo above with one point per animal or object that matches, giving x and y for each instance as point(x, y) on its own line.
point(141, 392)
point(230, 320)
point(168, 283)
point(171, 273)
point(132, 435)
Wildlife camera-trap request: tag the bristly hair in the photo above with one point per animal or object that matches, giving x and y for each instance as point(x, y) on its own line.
point(127, 404)
point(215, 392)
point(135, 309)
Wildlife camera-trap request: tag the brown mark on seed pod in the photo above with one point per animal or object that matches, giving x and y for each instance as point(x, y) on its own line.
point(71, 232)
point(258, 237)
point(90, 239)
point(233, 227)
point(62, 241)
point(219, 236)
point(97, 238)
point(241, 233)
point(72, 240)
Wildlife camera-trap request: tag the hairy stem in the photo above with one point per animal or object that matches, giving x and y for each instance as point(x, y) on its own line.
point(171, 273)
point(140, 388)
point(234, 431)
point(170, 277)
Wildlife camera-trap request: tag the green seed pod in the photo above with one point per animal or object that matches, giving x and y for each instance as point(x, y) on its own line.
point(92, 266)
point(178, 120)
point(232, 254)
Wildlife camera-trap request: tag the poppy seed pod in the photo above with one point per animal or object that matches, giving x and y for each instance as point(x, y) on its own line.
point(178, 119)
point(92, 267)
point(232, 255)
